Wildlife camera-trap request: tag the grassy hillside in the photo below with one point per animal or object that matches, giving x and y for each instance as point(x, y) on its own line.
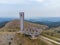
point(54, 32)
point(24, 40)
point(21, 39)
point(14, 26)
point(50, 24)
point(2, 24)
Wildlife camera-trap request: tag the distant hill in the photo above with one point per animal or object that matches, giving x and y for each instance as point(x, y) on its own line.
point(14, 25)
point(51, 22)
point(43, 19)
point(3, 21)
point(2, 24)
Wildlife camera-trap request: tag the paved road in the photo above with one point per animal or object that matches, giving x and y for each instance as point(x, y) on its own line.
point(50, 40)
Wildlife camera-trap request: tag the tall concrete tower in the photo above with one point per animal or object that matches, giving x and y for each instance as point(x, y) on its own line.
point(21, 21)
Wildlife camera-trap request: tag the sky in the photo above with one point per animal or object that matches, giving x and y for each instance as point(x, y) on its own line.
point(31, 8)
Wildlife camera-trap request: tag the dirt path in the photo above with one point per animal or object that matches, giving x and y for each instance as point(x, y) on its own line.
point(50, 40)
point(46, 41)
point(57, 38)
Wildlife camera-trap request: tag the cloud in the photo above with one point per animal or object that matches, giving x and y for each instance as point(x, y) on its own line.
point(19, 1)
point(45, 3)
point(37, 0)
point(12, 1)
point(40, 0)
point(34, 8)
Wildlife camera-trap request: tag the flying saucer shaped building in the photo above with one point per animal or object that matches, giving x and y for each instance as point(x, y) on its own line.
point(32, 31)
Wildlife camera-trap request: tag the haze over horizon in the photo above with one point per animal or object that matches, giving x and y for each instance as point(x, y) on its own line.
point(32, 8)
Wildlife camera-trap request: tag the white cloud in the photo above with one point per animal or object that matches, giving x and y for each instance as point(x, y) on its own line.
point(37, 0)
point(35, 7)
point(47, 2)
point(12, 1)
